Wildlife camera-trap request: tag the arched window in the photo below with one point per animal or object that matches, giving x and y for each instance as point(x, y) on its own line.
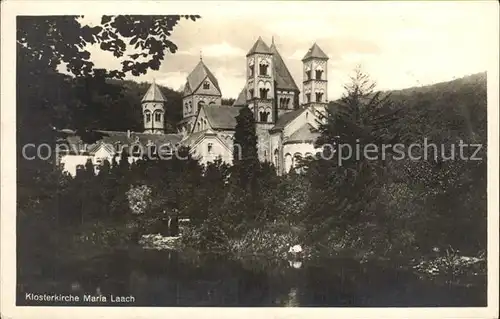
point(190, 107)
point(284, 102)
point(319, 96)
point(251, 67)
point(319, 73)
point(276, 158)
point(211, 103)
point(199, 126)
point(263, 67)
point(308, 73)
point(148, 116)
point(250, 94)
point(297, 158)
point(288, 162)
point(308, 97)
point(201, 103)
point(268, 115)
point(158, 116)
point(206, 85)
point(262, 90)
point(263, 116)
point(263, 93)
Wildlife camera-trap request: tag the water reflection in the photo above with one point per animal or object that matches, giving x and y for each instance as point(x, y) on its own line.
point(159, 278)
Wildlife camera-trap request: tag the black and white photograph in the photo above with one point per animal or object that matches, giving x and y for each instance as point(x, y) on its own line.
point(250, 154)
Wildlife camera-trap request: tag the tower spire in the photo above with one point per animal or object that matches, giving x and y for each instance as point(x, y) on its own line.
point(201, 57)
point(272, 39)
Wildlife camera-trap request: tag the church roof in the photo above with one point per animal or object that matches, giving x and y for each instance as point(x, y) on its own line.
point(192, 138)
point(154, 94)
point(111, 138)
point(305, 134)
point(241, 100)
point(315, 52)
point(282, 76)
point(286, 118)
point(259, 47)
point(222, 116)
point(196, 77)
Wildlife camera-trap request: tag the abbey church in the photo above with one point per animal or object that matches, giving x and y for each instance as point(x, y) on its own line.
point(286, 129)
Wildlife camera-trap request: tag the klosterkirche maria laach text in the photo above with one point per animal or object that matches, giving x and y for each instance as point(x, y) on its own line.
point(286, 130)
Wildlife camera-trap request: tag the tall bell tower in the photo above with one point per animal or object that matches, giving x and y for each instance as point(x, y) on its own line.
point(260, 82)
point(315, 83)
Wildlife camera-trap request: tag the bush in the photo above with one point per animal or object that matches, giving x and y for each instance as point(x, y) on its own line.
point(104, 235)
point(269, 240)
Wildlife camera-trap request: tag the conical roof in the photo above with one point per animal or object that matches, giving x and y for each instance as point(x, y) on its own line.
point(242, 97)
point(315, 52)
point(284, 79)
point(259, 47)
point(196, 77)
point(154, 94)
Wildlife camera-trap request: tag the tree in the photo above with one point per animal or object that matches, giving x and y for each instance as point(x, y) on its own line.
point(344, 188)
point(245, 158)
point(47, 99)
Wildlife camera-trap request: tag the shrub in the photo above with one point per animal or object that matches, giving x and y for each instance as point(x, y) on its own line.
point(269, 240)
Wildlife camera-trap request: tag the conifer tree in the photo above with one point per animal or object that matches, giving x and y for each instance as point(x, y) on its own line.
point(245, 168)
point(245, 158)
point(344, 187)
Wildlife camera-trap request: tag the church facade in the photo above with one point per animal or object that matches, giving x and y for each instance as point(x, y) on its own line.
point(286, 129)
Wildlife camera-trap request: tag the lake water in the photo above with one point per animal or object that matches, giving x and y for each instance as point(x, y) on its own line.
point(163, 278)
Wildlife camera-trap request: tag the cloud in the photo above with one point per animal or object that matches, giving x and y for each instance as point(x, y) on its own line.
point(218, 50)
point(398, 44)
point(174, 80)
point(299, 26)
point(231, 81)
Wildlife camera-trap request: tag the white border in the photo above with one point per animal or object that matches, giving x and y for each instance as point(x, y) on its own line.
point(12, 8)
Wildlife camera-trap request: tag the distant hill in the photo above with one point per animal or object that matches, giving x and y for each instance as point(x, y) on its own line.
point(445, 110)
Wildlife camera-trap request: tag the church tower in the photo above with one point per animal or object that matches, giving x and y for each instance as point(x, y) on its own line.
point(260, 82)
point(153, 110)
point(315, 84)
point(201, 88)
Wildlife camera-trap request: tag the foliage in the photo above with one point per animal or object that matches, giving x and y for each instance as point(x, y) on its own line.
point(64, 38)
point(343, 192)
point(402, 206)
point(245, 159)
point(48, 201)
point(452, 266)
point(139, 199)
point(273, 240)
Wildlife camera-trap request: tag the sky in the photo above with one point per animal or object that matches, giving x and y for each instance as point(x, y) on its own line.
point(399, 45)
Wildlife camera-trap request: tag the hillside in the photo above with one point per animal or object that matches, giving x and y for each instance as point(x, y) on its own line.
point(445, 110)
